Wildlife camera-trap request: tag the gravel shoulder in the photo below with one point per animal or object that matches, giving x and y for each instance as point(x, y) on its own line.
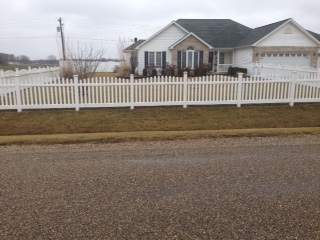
point(224, 188)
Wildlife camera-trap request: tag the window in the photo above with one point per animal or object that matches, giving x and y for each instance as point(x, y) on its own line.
point(299, 54)
point(190, 58)
point(155, 59)
point(158, 60)
point(280, 55)
point(287, 55)
point(196, 59)
point(151, 59)
point(263, 55)
point(318, 55)
point(221, 59)
point(293, 55)
point(268, 55)
point(305, 55)
point(275, 55)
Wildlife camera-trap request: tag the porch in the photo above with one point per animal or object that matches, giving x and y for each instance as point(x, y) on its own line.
point(221, 60)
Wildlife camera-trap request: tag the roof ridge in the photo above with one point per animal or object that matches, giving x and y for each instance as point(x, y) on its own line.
point(285, 20)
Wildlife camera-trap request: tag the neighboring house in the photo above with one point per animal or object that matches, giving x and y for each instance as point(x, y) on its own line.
point(223, 43)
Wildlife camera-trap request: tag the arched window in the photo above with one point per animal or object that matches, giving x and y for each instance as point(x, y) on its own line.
point(190, 58)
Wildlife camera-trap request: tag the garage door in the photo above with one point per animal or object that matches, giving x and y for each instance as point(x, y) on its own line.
point(287, 59)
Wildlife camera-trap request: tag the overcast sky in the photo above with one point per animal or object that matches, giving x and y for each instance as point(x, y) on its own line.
point(28, 27)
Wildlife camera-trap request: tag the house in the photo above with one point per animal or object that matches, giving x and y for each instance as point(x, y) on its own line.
point(222, 43)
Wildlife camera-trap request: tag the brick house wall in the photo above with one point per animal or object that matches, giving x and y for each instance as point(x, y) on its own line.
point(191, 41)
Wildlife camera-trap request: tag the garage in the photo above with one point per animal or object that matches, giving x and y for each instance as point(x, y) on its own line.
point(292, 59)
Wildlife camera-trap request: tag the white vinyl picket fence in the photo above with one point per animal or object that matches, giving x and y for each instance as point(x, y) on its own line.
point(52, 92)
point(25, 75)
point(269, 68)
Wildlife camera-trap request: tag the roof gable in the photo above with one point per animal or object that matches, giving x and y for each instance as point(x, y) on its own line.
point(163, 29)
point(257, 35)
point(185, 37)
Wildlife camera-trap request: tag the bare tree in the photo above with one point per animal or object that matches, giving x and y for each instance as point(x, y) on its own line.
point(23, 59)
point(51, 59)
point(83, 60)
point(124, 68)
point(133, 61)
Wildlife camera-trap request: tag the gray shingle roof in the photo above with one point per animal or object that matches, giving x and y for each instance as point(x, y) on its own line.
point(315, 35)
point(256, 34)
point(219, 33)
point(134, 45)
point(225, 33)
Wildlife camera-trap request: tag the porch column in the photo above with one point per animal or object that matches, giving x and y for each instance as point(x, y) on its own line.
point(218, 61)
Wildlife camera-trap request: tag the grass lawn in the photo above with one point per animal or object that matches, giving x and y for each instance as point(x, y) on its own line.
point(146, 119)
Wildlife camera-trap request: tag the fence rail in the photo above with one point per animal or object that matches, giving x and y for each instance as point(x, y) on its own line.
point(54, 92)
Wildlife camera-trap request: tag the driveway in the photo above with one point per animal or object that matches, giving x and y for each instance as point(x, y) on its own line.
point(228, 188)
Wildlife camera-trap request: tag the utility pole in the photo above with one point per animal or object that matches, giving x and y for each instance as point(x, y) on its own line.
point(62, 38)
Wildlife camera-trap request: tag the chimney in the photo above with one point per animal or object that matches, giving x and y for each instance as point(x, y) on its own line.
point(135, 39)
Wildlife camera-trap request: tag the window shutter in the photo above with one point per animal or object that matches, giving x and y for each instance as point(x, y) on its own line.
point(201, 57)
point(146, 59)
point(179, 59)
point(164, 60)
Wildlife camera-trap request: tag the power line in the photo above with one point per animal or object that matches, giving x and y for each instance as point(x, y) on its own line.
point(23, 37)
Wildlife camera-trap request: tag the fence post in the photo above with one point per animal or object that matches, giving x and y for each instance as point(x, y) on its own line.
point(239, 95)
point(17, 89)
point(131, 91)
point(76, 92)
point(293, 88)
point(185, 88)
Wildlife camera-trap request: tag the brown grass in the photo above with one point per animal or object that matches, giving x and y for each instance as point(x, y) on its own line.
point(159, 119)
point(151, 136)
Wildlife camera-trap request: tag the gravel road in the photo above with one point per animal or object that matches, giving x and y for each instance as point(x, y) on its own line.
point(227, 188)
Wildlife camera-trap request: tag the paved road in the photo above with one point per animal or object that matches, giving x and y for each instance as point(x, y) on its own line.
point(233, 188)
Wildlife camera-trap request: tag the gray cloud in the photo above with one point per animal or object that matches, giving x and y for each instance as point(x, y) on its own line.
point(29, 26)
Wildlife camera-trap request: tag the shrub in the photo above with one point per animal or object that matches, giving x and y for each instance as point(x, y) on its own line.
point(203, 69)
point(196, 71)
point(145, 72)
point(234, 70)
point(67, 70)
point(124, 70)
point(154, 72)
